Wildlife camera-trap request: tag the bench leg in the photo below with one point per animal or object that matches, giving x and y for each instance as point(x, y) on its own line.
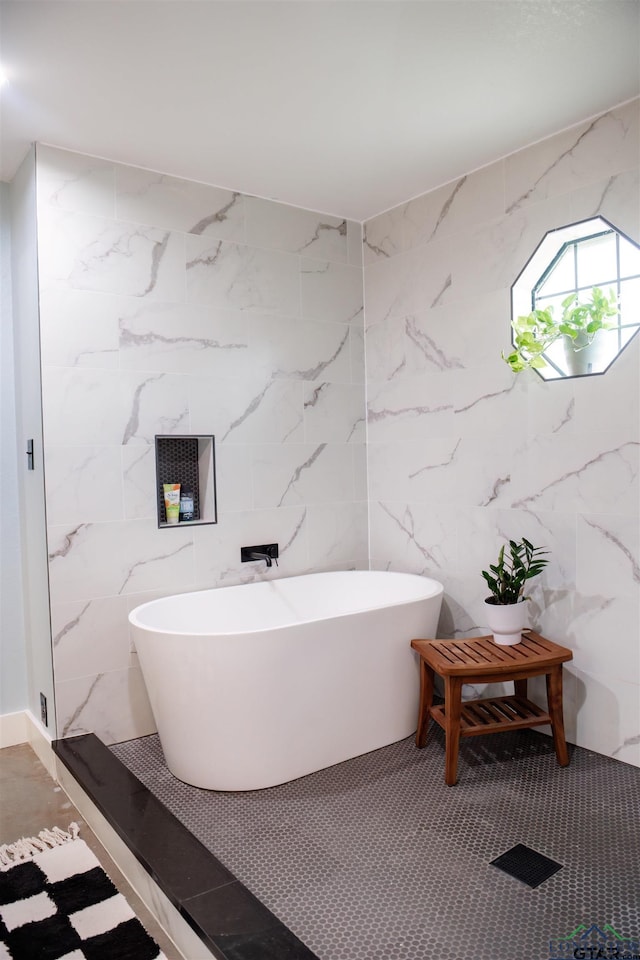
point(554, 699)
point(426, 699)
point(521, 688)
point(452, 713)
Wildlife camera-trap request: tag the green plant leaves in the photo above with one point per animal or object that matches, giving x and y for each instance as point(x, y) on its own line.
point(535, 332)
point(522, 563)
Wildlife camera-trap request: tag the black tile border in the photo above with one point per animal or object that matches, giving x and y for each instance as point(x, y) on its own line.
point(231, 922)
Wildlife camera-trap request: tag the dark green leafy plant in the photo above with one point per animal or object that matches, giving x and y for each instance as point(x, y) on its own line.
point(535, 332)
point(508, 577)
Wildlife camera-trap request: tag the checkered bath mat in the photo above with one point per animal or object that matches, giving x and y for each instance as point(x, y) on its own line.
point(57, 903)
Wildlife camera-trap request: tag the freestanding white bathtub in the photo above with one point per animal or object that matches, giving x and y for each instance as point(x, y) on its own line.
point(258, 684)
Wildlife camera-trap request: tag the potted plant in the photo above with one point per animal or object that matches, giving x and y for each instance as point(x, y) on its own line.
point(506, 607)
point(579, 325)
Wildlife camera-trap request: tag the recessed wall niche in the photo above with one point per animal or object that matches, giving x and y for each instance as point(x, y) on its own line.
point(189, 461)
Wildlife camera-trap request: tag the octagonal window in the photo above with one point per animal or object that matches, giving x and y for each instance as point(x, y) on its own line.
point(576, 304)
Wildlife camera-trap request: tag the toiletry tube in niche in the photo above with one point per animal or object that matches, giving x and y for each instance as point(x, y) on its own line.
point(186, 506)
point(172, 501)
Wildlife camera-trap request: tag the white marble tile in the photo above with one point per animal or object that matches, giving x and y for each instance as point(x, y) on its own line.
point(446, 470)
point(360, 474)
point(183, 338)
point(383, 236)
point(231, 275)
point(138, 467)
point(284, 348)
point(487, 401)
point(416, 471)
point(91, 560)
point(479, 539)
point(153, 404)
point(84, 484)
point(357, 347)
point(162, 201)
point(450, 209)
point(613, 726)
point(89, 637)
point(118, 407)
point(80, 405)
point(111, 256)
point(113, 705)
point(616, 198)
point(331, 291)
point(603, 633)
point(454, 207)
point(410, 409)
point(354, 243)
point(414, 537)
point(596, 474)
point(608, 552)
point(491, 255)
point(457, 621)
point(468, 333)
point(388, 288)
point(567, 161)
point(338, 536)
point(405, 346)
point(554, 532)
point(334, 412)
point(556, 610)
point(78, 328)
point(492, 470)
point(234, 477)
point(247, 410)
point(613, 397)
point(217, 548)
point(158, 558)
point(283, 227)
point(286, 474)
point(416, 281)
point(72, 181)
point(551, 408)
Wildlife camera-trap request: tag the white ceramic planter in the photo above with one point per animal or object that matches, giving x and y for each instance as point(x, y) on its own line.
point(506, 621)
point(583, 358)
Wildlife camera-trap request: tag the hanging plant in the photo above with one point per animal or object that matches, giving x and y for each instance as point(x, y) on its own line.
point(580, 322)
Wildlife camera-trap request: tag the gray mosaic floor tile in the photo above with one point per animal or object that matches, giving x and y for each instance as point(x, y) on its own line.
point(377, 859)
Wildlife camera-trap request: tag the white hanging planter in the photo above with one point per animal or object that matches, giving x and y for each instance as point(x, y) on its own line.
point(583, 356)
point(506, 621)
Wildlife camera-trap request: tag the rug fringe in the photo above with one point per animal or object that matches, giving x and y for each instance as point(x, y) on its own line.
point(29, 847)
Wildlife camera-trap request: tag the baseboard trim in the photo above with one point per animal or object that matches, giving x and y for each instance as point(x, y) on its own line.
point(13, 729)
point(40, 740)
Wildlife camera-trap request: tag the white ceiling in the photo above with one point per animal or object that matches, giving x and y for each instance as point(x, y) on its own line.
point(342, 107)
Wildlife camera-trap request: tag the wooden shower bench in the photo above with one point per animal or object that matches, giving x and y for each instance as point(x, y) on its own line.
point(480, 660)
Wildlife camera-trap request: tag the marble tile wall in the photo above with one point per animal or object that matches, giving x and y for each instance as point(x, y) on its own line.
point(463, 454)
point(168, 306)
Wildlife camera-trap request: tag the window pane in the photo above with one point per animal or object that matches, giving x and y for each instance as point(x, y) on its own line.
point(562, 276)
point(608, 346)
point(629, 258)
point(629, 307)
point(552, 303)
point(597, 261)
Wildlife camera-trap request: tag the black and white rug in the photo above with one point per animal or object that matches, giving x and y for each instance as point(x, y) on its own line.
point(57, 903)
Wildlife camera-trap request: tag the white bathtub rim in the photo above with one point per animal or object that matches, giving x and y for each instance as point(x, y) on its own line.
point(436, 589)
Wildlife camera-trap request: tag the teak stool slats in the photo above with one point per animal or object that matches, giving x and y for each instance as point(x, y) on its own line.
point(480, 660)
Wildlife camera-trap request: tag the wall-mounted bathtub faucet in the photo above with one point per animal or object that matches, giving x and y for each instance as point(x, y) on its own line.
point(266, 551)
